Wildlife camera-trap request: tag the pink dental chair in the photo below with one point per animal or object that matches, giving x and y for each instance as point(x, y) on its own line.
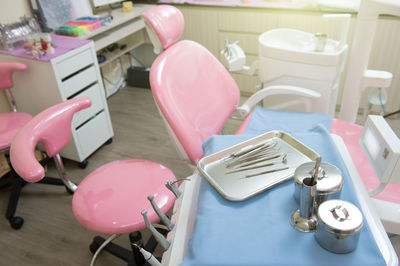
point(193, 91)
point(196, 95)
point(111, 199)
point(10, 124)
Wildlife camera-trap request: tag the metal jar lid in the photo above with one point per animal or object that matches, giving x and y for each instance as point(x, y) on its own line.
point(330, 179)
point(340, 217)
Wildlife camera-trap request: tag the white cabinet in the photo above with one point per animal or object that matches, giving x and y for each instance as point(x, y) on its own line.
point(72, 74)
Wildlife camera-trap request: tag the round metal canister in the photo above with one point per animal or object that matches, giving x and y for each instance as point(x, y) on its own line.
point(339, 226)
point(329, 184)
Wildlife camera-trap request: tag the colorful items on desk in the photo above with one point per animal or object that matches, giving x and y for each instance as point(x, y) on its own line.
point(39, 45)
point(81, 26)
point(127, 6)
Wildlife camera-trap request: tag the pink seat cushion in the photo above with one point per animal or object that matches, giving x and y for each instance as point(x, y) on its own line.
point(351, 133)
point(110, 199)
point(10, 124)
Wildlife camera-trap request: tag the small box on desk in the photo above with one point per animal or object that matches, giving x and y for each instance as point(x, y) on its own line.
point(138, 77)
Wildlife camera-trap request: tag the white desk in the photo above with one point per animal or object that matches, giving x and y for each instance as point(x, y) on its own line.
point(69, 73)
point(125, 28)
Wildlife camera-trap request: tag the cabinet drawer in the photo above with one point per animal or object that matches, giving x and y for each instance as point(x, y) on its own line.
point(93, 134)
point(74, 63)
point(79, 81)
point(93, 92)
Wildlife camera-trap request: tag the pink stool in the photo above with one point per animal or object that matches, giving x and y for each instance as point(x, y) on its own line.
point(10, 124)
point(112, 199)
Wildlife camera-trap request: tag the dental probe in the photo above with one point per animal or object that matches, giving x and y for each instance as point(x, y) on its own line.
point(148, 256)
point(245, 150)
point(268, 172)
point(264, 159)
point(263, 147)
point(253, 154)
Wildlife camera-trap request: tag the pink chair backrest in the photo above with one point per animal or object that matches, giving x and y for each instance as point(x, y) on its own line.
point(6, 71)
point(167, 22)
point(52, 127)
point(193, 90)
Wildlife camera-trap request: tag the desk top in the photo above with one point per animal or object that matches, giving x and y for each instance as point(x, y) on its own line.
point(63, 46)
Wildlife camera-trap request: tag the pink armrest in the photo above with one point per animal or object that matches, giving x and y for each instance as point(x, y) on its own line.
point(6, 71)
point(52, 127)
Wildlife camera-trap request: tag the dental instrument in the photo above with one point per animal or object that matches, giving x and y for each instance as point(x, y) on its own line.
point(253, 159)
point(171, 185)
point(254, 153)
point(157, 235)
point(316, 169)
point(248, 150)
point(164, 219)
point(148, 256)
point(257, 166)
point(263, 160)
point(268, 172)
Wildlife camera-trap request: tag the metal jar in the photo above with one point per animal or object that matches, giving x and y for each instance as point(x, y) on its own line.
point(329, 184)
point(339, 226)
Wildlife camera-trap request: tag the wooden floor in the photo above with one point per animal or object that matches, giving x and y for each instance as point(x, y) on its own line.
point(50, 235)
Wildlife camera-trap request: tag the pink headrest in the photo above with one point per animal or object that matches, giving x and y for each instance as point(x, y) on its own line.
point(6, 71)
point(52, 127)
point(167, 22)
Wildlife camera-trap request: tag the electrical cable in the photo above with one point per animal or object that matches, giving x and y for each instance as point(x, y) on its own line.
point(390, 114)
point(105, 243)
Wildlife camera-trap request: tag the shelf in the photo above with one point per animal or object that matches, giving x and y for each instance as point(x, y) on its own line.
point(120, 17)
point(118, 33)
point(112, 56)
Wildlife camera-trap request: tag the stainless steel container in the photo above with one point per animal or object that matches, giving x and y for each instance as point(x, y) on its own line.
point(339, 226)
point(330, 181)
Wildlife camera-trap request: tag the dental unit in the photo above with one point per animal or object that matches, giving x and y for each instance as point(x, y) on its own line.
point(200, 197)
point(313, 62)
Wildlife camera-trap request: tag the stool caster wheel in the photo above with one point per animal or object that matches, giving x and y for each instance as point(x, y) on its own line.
point(16, 222)
point(93, 247)
point(83, 164)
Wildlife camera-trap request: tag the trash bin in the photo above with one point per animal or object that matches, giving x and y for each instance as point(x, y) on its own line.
point(138, 77)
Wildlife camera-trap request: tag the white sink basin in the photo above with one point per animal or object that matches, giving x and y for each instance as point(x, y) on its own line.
point(299, 46)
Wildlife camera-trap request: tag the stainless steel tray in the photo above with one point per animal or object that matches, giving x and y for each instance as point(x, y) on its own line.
point(236, 186)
